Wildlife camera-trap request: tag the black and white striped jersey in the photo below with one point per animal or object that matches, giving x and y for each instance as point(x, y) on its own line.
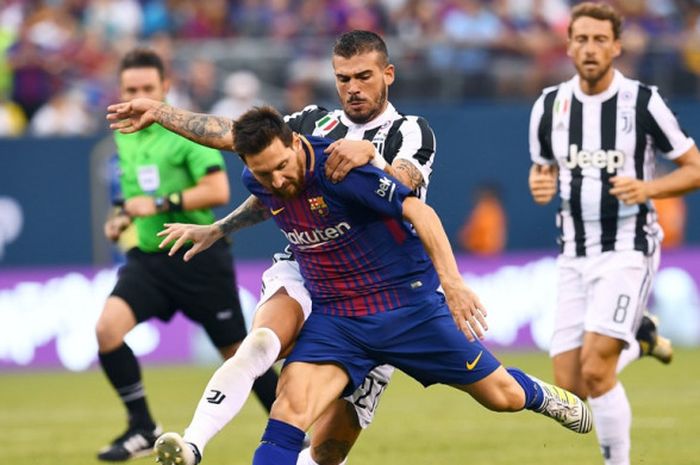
point(393, 134)
point(592, 138)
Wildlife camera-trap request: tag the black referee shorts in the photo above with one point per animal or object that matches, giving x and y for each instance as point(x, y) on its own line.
point(204, 289)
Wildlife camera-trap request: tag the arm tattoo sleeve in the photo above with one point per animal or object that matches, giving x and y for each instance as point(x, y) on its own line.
point(407, 173)
point(250, 212)
point(209, 130)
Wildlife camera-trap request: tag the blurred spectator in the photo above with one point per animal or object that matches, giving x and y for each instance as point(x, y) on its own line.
point(470, 32)
point(202, 84)
point(35, 59)
point(242, 90)
point(484, 232)
point(416, 21)
point(116, 19)
point(671, 213)
point(672, 218)
point(12, 119)
point(156, 19)
point(64, 115)
point(253, 18)
point(298, 94)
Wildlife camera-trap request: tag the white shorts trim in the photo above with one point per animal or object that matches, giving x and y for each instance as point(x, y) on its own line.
point(285, 274)
point(366, 397)
point(604, 294)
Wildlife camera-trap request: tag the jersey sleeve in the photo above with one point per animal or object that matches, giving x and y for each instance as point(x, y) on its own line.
point(417, 145)
point(372, 188)
point(304, 121)
point(540, 131)
point(664, 128)
point(202, 160)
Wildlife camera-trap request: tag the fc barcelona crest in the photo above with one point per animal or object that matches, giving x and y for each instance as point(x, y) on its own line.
point(318, 205)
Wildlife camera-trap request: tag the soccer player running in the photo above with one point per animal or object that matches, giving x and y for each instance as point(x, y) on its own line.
point(598, 133)
point(368, 129)
point(374, 290)
point(164, 177)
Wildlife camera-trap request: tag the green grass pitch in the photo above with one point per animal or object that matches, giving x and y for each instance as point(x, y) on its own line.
point(63, 418)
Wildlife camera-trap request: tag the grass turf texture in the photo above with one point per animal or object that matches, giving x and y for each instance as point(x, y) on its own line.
point(63, 418)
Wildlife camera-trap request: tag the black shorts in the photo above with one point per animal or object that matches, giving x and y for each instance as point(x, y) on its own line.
point(204, 289)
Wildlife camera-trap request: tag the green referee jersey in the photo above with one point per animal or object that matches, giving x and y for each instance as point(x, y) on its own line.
point(157, 162)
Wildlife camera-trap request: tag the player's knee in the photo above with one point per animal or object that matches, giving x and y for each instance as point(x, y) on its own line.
point(573, 384)
point(261, 341)
point(595, 373)
point(258, 351)
point(291, 409)
point(107, 337)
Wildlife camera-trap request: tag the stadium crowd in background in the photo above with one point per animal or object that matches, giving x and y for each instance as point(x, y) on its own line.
point(61, 54)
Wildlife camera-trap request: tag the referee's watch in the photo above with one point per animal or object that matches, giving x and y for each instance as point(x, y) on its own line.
point(161, 204)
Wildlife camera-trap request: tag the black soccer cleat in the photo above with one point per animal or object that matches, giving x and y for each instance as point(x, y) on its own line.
point(135, 442)
point(651, 342)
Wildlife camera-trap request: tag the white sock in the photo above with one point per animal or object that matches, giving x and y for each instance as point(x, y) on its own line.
point(233, 381)
point(612, 418)
point(627, 356)
point(306, 459)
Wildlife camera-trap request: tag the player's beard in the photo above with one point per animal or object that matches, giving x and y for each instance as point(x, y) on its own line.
point(293, 186)
point(592, 79)
point(371, 113)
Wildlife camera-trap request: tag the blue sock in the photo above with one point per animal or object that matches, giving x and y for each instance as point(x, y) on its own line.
point(280, 444)
point(533, 392)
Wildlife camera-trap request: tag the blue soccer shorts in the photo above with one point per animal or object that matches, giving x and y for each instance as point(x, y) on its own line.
point(422, 340)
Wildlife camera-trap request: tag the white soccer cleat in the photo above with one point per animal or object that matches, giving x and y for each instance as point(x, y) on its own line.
point(564, 407)
point(171, 449)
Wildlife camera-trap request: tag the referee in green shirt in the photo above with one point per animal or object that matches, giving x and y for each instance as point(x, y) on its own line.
point(165, 178)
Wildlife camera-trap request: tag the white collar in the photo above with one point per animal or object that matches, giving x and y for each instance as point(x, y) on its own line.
point(602, 96)
point(389, 114)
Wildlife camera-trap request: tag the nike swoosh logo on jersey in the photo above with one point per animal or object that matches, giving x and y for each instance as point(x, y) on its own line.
point(278, 211)
point(470, 366)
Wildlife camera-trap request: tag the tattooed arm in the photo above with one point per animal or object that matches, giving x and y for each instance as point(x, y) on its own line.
point(209, 130)
point(250, 212)
point(406, 173)
point(345, 154)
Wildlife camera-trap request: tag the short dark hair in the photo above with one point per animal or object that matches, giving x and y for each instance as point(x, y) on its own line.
point(356, 42)
point(257, 128)
point(142, 58)
point(601, 11)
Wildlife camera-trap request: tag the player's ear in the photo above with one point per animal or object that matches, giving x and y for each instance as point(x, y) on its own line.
point(389, 75)
point(166, 86)
point(617, 48)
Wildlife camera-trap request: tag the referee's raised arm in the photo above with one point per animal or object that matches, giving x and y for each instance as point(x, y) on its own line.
point(209, 130)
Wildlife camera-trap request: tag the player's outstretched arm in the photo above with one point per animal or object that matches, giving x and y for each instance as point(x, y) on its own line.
point(212, 131)
point(249, 213)
point(464, 304)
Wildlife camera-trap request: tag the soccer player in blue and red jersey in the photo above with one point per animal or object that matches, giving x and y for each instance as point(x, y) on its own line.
point(367, 129)
point(374, 287)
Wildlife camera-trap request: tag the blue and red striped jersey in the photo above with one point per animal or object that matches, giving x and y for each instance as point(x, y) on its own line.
point(356, 253)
